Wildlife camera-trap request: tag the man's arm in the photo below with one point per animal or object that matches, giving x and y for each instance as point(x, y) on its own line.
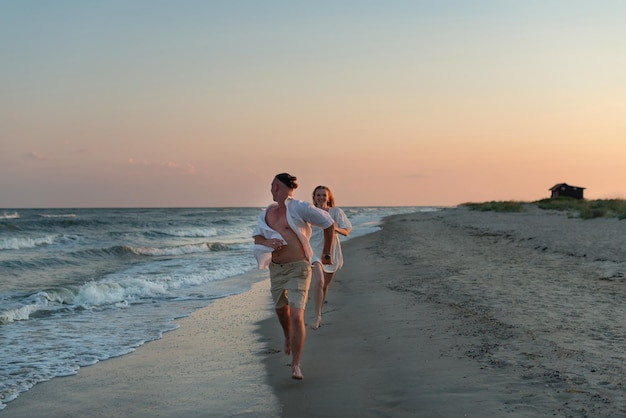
point(329, 234)
point(268, 242)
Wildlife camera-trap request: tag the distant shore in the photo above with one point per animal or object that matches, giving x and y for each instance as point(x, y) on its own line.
point(455, 313)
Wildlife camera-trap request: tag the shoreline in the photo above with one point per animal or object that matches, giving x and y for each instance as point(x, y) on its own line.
point(208, 366)
point(439, 314)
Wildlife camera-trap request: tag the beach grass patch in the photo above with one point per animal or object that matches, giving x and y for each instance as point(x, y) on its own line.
point(497, 206)
point(587, 209)
point(584, 209)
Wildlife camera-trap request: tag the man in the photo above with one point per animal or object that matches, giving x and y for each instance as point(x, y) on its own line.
point(281, 240)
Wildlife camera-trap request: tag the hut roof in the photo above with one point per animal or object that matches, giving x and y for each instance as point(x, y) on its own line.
point(558, 186)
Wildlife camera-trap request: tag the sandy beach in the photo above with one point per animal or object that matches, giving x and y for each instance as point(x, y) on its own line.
point(454, 313)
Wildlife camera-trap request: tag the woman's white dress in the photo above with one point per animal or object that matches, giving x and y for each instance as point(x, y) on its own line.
point(317, 241)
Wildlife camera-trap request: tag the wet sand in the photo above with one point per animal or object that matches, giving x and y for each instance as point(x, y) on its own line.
point(479, 314)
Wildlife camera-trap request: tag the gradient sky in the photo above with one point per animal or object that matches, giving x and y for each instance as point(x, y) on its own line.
point(129, 103)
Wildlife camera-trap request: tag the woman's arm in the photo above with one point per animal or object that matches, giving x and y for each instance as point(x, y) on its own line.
point(342, 219)
point(342, 231)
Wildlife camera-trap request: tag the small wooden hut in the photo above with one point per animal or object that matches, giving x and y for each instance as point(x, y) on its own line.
point(565, 190)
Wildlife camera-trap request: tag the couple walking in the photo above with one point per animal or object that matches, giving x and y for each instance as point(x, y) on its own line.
point(296, 240)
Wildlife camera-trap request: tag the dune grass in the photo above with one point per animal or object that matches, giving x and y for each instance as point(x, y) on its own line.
point(582, 208)
point(497, 206)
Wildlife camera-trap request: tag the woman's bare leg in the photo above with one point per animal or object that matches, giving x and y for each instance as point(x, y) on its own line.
point(328, 277)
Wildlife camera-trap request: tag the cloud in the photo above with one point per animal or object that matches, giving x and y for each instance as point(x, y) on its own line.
point(71, 147)
point(169, 165)
point(186, 167)
point(34, 155)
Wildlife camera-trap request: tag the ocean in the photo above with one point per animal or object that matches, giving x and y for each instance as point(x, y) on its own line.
point(78, 286)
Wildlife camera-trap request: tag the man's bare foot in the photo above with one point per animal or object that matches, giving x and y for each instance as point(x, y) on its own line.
point(317, 322)
point(287, 348)
point(296, 373)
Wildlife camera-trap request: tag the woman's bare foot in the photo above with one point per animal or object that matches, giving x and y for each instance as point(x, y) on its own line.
point(317, 322)
point(296, 373)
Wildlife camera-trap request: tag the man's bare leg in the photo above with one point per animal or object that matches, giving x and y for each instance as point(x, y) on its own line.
point(318, 294)
point(285, 322)
point(298, 334)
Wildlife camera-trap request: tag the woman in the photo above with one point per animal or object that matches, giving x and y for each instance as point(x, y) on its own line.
point(323, 273)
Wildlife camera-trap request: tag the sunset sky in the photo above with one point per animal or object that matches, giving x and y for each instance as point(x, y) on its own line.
point(133, 103)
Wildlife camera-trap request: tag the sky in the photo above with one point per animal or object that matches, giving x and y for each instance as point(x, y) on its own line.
point(154, 103)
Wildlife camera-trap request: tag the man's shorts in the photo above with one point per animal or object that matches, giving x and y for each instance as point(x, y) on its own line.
point(290, 283)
